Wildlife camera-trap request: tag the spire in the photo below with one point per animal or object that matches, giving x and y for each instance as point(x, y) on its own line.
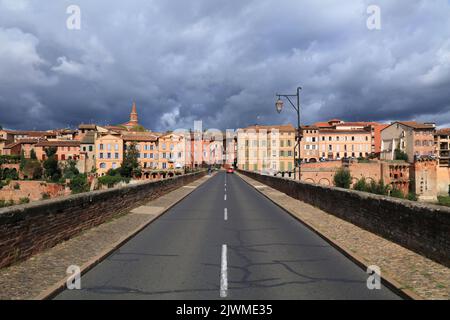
point(133, 114)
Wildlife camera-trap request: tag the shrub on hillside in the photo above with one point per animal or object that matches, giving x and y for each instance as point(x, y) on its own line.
point(79, 184)
point(342, 178)
point(397, 193)
point(110, 181)
point(361, 185)
point(24, 200)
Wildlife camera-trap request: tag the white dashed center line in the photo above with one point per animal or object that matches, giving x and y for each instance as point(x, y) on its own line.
point(225, 214)
point(223, 273)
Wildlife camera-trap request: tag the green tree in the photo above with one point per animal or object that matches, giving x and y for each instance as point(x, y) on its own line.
point(33, 155)
point(400, 155)
point(51, 169)
point(22, 160)
point(70, 170)
point(32, 169)
point(361, 185)
point(10, 174)
point(130, 165)
point(79, 184)
point(342, 178)
point(378, 188)
point(397, 193)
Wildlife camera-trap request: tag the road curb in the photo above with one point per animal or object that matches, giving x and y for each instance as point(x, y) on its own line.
point(386, 279)
point(57, 288)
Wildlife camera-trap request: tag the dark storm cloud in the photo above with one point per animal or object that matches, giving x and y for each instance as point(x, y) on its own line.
point(221, 62)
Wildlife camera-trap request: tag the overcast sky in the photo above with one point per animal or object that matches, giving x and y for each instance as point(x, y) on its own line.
point(222, 62)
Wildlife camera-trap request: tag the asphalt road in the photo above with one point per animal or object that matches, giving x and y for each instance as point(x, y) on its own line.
point(251, 250)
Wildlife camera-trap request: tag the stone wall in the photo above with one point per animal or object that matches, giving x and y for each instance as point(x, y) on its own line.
point(33, 190)
point(28, 229)
point(422, 228)
point(424, 176)
point(443, 180)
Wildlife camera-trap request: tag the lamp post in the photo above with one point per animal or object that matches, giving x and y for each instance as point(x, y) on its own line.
point(279, 104)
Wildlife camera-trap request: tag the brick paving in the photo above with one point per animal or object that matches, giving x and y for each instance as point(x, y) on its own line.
point(31, 278)
point(422, 276)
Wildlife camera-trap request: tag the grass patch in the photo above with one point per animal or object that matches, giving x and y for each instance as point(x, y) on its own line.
point(444, 200)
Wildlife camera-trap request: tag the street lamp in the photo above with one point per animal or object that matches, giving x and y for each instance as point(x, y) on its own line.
point(279, 104)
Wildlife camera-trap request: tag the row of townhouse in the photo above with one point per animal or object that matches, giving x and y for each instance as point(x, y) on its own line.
point(267, 149)
point(101, 148)
point(425, 170)
point(336, 140)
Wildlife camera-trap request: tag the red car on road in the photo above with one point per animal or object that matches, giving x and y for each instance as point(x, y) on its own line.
point(230, 170)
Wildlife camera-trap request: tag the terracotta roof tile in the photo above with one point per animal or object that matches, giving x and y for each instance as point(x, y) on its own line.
point(58, 143)
point(21, 141)
point(416, 125)
point(443, 132)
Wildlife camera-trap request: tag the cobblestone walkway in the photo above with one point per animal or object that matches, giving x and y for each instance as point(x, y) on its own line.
point(424, 277)
point(34, 277)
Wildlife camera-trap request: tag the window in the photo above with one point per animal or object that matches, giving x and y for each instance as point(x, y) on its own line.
point(116, 155)
point(109, 155)
point(116, 147)
point(90, 148)
point(100, 156)
point(114, 165)
point(100, 146)
point(109, 147)
point(102, 165)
